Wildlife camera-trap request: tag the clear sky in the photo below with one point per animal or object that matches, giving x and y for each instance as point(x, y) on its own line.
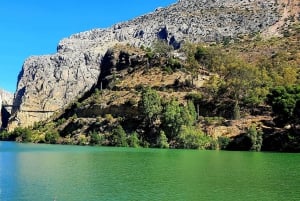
point(34, 27)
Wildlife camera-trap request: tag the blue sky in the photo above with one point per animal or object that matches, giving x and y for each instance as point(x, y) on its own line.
point(34, 27)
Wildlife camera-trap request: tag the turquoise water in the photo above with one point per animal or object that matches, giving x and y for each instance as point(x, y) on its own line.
point(30, 172)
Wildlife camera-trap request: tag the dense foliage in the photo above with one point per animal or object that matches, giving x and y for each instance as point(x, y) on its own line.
point(285, 102)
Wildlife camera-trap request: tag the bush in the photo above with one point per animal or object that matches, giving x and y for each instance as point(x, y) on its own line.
point(133, 140)
point(22, 134)
point(255, 137)
point(109, 118)
point(4, 135)
point(96, 138)
point(202, 55)
point(283, 100)
point(223, 142)
point(214, 120)
point(60, 121)
point(52, 137)
point(193, 138)
point(174, 64)
point(119, 137)
point(150, 105)
point(162, 140)
point(236, 112)
point(82, 140)
point(195, 97)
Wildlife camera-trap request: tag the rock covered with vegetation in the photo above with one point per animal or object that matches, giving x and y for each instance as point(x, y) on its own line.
point(236, 96)
point(48, 83)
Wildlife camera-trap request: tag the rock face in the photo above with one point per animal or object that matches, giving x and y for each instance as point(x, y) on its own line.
point(6, 101)
point(48, 83)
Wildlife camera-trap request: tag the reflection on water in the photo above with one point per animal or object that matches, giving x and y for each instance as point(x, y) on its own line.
point(46, 172)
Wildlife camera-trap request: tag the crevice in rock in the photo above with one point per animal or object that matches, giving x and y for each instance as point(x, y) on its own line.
point(5, 115)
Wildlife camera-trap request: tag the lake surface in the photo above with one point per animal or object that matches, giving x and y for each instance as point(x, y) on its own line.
point(30, 172)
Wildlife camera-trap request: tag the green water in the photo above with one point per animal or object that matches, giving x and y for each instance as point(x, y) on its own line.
point(69, 173)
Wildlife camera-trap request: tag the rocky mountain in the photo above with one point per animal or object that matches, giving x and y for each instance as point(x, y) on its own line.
point(48, 83)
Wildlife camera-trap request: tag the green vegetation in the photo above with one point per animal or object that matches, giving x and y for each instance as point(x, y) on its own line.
point(119, 137)
point(192, 138)
point(285, 101)
point(162, 141)
point(255, 138)
point(150, 104)
point(133, 140)
point(52, 137)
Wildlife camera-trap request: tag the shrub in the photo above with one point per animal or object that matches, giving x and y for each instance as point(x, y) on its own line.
point(119, 137)
point(162, 140)
point(150, 104)
point(193, 138)
point(109, 118)
point(4, 135)
point(96, 138)
point(22, 134)
point(133, 140)
point(52, 137)
point(195, 97)
point(60, 121)
point(283, 101)
point(255, 137)
point(82, 139)
point(223, 142)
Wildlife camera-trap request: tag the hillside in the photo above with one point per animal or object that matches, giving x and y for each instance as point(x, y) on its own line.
point(203, 96)
point(48, 83)
point(202, 75)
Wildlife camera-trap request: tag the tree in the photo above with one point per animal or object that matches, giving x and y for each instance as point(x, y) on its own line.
point(22, 134)
point(236, 111)
point(52, 137)
point(240, 78)
point(240, 84)
point(189, 50)
point(96, 138)
point(202, 55)
point(255, 138)
point(162, 140)
point(133, 140)
point(283, 100)
point(172, 119)
point(175, 116)
point(150, 104)
point(188, 114)
point(193, 138)
point(119, 137)
point(223, 142)
point(162, 48)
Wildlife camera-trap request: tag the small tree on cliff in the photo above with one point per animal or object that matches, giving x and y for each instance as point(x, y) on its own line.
point(150, 105)
point(175, 116)
point(119, 137)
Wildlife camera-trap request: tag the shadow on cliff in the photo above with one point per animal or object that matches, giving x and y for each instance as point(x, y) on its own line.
point(5, 115)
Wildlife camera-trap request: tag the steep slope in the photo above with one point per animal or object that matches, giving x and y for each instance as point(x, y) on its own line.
point(217, 94)
point(47, 83)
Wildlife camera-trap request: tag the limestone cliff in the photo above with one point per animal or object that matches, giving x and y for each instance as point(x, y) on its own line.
point(48, 83)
